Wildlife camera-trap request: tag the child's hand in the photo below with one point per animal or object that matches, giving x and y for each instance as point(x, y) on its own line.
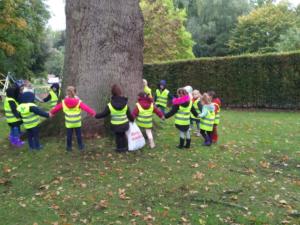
point(51, 115)
point(163, 118)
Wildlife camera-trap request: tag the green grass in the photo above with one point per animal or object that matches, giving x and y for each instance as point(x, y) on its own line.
point(250, 177)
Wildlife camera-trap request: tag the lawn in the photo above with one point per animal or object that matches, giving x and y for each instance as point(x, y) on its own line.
point(250, 177)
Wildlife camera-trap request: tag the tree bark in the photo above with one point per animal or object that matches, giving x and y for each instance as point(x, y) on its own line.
point(104, 46)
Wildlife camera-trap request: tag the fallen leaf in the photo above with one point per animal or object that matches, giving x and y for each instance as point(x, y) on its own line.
point(212, 165)
point(136, 213)
point(264, 164)
point(198, 176)
point(103, 204)
point(6, 169)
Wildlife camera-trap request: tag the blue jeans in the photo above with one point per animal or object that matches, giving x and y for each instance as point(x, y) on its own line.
point(70, 135)
point(33, 138)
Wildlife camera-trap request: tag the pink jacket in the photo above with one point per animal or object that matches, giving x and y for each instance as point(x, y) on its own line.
point(181, 100)
point(72, 103)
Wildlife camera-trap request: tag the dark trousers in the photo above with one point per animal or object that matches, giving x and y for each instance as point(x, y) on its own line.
point(207, 135)
point(33, 138)
point(195, 121)
point(121, 142)
point(70, 136)
point(162, 109)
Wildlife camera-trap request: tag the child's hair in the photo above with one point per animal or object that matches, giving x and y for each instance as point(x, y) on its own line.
point(142, 95)
point(212, 94)
point(206, 99)
point(196, 94)
point(71, 91)
point(145, 82)
point(116, 90)
point(182, 92)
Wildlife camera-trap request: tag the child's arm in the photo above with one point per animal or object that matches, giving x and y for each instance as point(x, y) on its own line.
point(47, 99)
point(87, 109)
point(158, 112)
point(39, 112)
point(173, 111)
point(204, 112)
point(129, 116)
point(200, 106)
point(103, 114)
point(13, 107)
point(56, 109)
point(194, 112)
point(135, 112)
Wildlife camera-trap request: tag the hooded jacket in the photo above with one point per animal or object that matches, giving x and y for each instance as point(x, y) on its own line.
point(184, 101)
point(146, 102)
point(218, 102)
point(72, 103)
point(29, 97)
point(207, 108)
point(118, 102)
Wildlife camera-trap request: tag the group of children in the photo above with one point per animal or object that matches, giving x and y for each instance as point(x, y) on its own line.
point(189, 107)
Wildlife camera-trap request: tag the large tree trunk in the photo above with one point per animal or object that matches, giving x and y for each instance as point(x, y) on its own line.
point(104, 46)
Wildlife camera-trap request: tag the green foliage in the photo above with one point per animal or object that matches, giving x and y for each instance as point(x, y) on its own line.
point(289, 41)
point(269, 81)
point(55, 60)
point(210, 23)
point(261, 29)
point(22, 49)
point(165, 35)
point(255, 165)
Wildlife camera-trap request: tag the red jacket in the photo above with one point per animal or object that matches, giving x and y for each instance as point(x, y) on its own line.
point(217, 104)
point(72, 103)
point(146, 104)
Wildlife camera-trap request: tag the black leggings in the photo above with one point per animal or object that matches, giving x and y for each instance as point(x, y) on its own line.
point(206, 134)
point(121, 142)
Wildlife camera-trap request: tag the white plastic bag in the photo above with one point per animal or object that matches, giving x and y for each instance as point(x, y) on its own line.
point(135, 138)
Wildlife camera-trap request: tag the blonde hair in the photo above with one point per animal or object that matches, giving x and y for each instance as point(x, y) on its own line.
point(206, 99)
point(196, 94)
point(71, 91)
point(145, 82)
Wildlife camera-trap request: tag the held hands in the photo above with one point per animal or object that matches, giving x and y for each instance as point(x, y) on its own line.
point(51, 115)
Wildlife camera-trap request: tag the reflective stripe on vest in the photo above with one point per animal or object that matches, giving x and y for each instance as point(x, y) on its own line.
point(10, 117)
point(145, 117)
point(207, 123)
point(30, 120)
point(162, 98)
point(118, 117)
point(217, 118)
point(54, 98)
point(72, 116)
point(195, 104)
point(183, 115)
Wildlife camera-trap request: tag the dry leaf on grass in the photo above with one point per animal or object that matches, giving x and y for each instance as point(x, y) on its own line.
point(264, 164)
point(136, 213)
point(198, 176)
point(103, 204)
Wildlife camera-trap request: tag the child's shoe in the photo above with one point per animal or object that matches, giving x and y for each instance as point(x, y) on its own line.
point(207, 142)
point(181, 143)
point(198, 134)
point(188, 143)
point(19, 143)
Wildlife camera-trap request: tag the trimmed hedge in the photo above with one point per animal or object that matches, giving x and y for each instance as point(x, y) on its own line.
point(251, 81)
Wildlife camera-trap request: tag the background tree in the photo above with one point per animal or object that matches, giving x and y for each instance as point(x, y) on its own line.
point(261, 29)
point(290, 41)
point(210, 22)
point(22, 25)
point(104, 46)
point(165, 36)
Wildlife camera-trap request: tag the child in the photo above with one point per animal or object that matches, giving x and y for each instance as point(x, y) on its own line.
point(143, 113)
point(207, 118)
point(120, 117)
point(13, 117)
point(72, 107)
point(198, 107)
point(183, 107)
point(147, 90)
point(217, 104)
point(30, 115)
point(162, 96)
point(53, 95)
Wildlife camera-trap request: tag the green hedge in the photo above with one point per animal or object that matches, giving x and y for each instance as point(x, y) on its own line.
point(259, 81)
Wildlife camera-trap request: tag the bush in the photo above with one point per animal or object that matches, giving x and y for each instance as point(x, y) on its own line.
point(259, 81)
